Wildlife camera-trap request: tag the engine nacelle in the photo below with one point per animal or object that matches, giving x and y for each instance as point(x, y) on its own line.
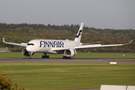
point(26, 53)
point(70, 52)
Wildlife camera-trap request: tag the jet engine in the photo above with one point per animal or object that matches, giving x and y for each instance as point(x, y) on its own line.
point(26, 53)
point(70, 53)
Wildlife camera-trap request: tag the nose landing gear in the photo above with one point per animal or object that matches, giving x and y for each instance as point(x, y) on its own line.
point(31, 55)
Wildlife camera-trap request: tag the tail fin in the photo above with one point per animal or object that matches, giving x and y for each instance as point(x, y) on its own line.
point(79, 33)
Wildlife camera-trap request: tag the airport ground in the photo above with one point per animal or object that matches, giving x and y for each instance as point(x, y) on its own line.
point(55, 68)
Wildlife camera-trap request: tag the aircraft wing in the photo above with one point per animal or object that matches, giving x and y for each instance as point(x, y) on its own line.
point(18, 44)
point(99, 45)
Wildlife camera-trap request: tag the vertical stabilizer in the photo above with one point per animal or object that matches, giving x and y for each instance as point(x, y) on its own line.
point(79, 33)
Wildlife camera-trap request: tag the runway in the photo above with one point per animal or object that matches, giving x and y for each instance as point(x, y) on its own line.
point(72, 60)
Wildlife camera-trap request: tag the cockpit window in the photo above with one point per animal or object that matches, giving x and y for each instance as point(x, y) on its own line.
point(30, 44)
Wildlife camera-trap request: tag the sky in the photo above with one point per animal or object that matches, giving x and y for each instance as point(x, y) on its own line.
point(112, 14)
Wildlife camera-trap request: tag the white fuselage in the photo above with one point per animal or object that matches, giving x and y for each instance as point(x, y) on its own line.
point(48, 46)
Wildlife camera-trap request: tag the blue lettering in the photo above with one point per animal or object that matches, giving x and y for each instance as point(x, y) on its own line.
point(41, 43)
point(55, 43)
point(51, 44)
point(58, 44)
point(62, 43)
point(46, 44)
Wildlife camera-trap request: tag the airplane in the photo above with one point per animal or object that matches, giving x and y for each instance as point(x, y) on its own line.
point(66, 47)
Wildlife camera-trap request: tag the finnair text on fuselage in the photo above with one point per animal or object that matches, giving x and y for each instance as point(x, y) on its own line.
point(58, 44)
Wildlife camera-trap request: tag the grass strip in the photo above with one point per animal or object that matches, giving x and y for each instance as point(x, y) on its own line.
point(79, 55)
point(43, 76)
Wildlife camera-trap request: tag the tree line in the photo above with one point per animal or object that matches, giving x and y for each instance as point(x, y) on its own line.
point(24, 32)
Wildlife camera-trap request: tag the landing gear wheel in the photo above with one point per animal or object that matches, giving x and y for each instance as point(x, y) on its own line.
point(64, 57)
point(31, 55)
point(45, 56)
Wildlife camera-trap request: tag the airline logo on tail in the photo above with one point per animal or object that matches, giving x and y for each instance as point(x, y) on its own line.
point(79, 33)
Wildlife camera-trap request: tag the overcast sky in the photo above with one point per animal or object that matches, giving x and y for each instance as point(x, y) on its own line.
point(115, 14)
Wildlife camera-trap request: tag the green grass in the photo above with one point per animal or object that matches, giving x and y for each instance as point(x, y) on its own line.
point(83, 55)
point(106, 55)
point(44, 76)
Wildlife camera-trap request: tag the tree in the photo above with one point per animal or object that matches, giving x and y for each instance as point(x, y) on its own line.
point(7, 84)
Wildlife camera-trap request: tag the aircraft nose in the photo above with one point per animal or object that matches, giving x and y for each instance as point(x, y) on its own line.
point(28, 48)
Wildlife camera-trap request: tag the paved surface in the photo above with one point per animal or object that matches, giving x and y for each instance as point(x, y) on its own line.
point(73, 60)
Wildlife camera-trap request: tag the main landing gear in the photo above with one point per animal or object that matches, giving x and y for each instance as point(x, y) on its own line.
point(65, 57)
point(45, 56)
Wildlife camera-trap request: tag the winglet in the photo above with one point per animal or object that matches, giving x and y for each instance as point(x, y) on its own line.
point(129, 42)
point(4, 40)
